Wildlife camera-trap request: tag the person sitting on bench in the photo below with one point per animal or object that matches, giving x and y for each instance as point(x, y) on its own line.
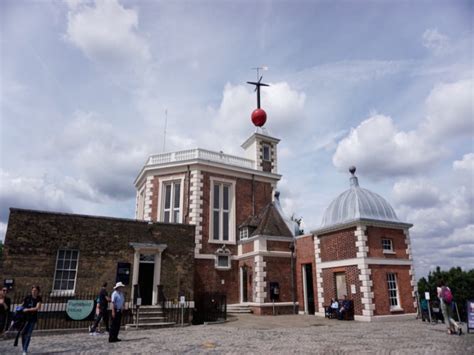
point(346, 306)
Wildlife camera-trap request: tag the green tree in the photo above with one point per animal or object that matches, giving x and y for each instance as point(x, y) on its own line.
point(460, 282)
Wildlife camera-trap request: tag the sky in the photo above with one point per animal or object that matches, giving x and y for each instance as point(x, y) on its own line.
point(386, 86)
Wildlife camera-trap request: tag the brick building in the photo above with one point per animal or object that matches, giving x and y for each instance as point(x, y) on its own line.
point(361, 251)
point(70, 253)
point(242, 238)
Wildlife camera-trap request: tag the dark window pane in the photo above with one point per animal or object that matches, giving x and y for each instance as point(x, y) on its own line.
point(266, 152)
point(61, 254)
point(226, 197)
point(223, 261)
point(167, 196)
point(176, 216)
point(68, 255)
point(167, 216)
point(59, 275)
point(216, 225)
point(176, 194)
point(59, 264)
point(67, 264)
point(216, 196)
point(72, 275)
point(75, 254)
point(57, 284)
point(70, 285)
point(73, 264)
point(225, 226)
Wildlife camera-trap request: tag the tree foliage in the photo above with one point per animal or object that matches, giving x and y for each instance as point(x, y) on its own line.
point(460, 282)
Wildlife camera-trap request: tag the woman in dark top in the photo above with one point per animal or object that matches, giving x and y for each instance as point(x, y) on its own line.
point(31, 306)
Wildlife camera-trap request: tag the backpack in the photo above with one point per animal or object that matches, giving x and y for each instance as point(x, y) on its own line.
point(446, 295)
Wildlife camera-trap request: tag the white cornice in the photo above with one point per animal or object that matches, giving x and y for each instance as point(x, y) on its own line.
point(363, 222)
point(360, 261)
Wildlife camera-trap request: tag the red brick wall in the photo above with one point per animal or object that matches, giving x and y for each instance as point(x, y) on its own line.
point(278, 270)
point(374, 242)
point(338, 245)
point(380, 288)
point(247, 248)
point(208, 279)
point(243, 205)
point(305, 255)
point(352, 278)
point(278, 246)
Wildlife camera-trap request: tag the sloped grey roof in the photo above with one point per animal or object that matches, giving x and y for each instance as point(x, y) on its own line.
point(358, 204)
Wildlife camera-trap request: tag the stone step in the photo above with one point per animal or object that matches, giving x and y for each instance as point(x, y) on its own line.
point(150, 312)
point(150, 325)
point(235, 311)
point(151, 319)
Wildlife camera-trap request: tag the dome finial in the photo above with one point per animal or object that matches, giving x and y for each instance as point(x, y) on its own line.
point(354, 182)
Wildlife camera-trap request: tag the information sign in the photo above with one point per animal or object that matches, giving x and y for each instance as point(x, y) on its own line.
point(79, 309)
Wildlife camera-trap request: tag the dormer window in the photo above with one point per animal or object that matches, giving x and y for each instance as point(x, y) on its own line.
point(244, 233)
point(387, 246)
point(223, 259)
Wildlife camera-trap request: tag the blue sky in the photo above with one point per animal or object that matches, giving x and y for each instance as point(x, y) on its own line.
point(386, 86)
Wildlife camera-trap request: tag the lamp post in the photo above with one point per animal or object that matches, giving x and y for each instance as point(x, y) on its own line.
point(293, 298)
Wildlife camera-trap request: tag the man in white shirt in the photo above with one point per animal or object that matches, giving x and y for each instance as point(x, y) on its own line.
point(118, 301)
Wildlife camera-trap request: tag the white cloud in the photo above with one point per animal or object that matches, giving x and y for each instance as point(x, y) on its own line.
point(415, 193)
point(378, 148)
point(466, 164)
point(381, 149)
point(30, 193)
point(3, 230)
point(107, 32)
point(107, 161)
point(435, 41)
point(450, 111)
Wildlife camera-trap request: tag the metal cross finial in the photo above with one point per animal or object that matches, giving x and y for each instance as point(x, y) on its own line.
point(257, 88)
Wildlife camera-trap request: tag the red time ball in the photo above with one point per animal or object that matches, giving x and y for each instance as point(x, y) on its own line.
point(259, 117)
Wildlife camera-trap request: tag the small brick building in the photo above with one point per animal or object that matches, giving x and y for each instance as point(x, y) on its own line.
point(361, 251)
point(70, 253)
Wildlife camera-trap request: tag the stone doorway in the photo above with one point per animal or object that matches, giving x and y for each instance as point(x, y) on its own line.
point(145, 278)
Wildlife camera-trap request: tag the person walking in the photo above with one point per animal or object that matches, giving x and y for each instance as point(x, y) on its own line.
point(445, 299)
point(5, 303)
point(31, 306)
point(118, 301)
point(102, 310)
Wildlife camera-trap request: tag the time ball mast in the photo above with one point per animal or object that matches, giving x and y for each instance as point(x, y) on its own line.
point(259, 116)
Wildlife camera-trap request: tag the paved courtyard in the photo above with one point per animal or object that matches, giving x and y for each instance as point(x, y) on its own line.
point(264, 335)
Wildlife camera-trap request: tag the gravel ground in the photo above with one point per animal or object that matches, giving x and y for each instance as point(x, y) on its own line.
point(264, 335)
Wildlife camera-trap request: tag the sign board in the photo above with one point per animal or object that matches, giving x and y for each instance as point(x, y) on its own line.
point(79, 309)
point(353, 289)
point(427, 296)
point(470, 314)
point(139, 301)
point(182, 300)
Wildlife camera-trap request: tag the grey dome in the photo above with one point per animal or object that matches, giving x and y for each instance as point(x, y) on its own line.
point(356, 204)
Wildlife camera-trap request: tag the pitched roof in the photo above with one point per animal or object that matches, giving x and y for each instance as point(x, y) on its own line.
point(268, 222)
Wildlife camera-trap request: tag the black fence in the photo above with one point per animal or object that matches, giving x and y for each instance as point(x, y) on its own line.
point(65, 311)
point(210, 307)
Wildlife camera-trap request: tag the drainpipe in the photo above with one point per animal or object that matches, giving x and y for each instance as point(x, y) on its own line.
point(293, 293)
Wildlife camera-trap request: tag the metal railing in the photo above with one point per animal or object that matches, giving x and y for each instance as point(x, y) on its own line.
point(53, 313)
point(210, 307)
point(203, 154)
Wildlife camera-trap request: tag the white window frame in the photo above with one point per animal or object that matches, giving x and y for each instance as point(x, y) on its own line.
point(67, 292)
point(232, 231)
point(161, 197)
point(392, 285)
point(223, 252)
point(266, 145)
point(244, 233)
point(384, 244)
